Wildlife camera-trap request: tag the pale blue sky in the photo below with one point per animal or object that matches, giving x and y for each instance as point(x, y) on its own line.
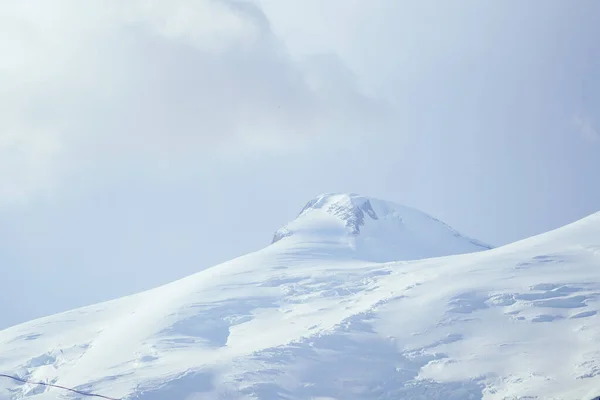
point(141, 144)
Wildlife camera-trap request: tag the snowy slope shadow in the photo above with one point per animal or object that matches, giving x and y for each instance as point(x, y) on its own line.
point(209, 324)
point(352, 362)
point(185, 386)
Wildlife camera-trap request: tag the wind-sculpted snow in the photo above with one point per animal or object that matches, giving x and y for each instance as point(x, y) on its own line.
point(303, 320)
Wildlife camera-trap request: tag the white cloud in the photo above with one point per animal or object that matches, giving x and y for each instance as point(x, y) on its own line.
point(109, 84)
point(586, 127)
point(27, 159)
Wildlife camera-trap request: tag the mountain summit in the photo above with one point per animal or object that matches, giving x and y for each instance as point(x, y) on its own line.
point(374, 230)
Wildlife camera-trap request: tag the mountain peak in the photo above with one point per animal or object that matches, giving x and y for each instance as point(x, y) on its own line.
point(350, 208)
point(374, 229)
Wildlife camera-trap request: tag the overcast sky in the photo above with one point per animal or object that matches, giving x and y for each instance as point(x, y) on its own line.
point(143, 141)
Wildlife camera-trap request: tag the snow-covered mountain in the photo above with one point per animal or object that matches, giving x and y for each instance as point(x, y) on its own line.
point(372, 230)
point(314, 316)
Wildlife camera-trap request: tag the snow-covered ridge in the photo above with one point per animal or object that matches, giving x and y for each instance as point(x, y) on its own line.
point(375, 230)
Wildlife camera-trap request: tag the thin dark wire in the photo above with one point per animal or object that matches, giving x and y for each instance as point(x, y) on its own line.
point(15, 378)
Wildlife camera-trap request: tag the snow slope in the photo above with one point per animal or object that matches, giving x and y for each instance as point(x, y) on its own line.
point(310, 319)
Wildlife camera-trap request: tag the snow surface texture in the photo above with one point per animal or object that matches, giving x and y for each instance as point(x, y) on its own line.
point(304, 319)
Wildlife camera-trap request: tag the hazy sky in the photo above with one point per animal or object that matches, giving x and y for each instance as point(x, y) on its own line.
point(143, 141)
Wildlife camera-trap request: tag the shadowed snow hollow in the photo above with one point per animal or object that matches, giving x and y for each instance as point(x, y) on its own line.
point(373, 230)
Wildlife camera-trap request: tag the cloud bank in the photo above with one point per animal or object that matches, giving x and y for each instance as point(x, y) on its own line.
point(158, 86)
